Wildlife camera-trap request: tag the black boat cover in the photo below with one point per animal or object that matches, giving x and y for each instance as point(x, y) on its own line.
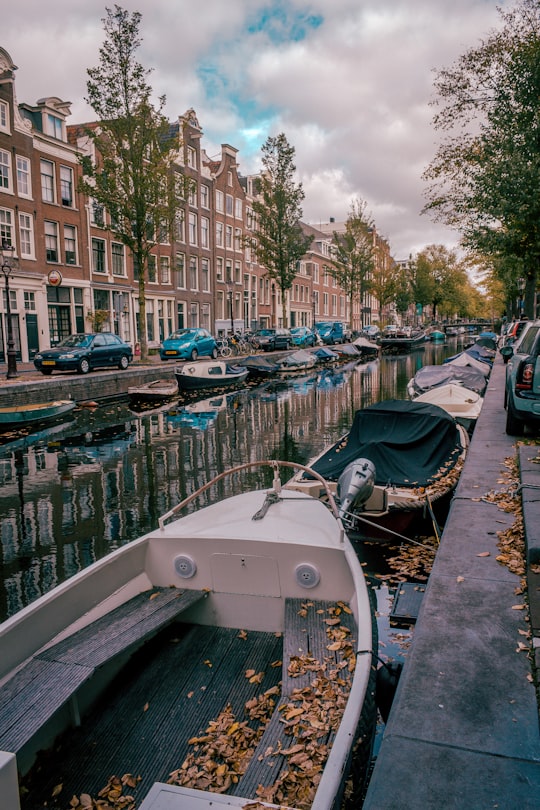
point(429, 377)
point(410, 443)
point(256, 364)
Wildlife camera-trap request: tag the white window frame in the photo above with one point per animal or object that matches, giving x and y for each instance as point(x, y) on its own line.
point(6, 226)
point(66, 184)
point(26, 235)
point(205, 196)
point(6, 183)
point(95, 242)
point(51, 241)
point(24, 177)
point(220, 201)
point(4, 117)
point(70, 238)
point(193, 228)
point(205, 232)
point(118, 259)
point(48, 193)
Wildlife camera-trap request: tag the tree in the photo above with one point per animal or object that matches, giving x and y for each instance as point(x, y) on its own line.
point(130, 172)
point(279, 243)
point(441, 266)
point(354, 261)
point(485, 177)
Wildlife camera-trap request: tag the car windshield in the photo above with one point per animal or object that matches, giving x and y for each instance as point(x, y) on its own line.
point(266, 332)
point(183, 334)
point(75, 341)
point(298, 330)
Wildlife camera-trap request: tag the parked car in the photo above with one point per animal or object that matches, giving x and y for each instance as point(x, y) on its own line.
point(347, 333)
point(189, 344)
point(330, 332)
point(522, 385)
point(272, 339)
point(303, 336)
point(84, 352)
point(371, 331)
point(512, 332)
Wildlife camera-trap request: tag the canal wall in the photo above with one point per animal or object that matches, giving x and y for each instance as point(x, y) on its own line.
point(463, 731)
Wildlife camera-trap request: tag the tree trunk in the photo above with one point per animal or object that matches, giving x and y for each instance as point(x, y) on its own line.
point(142, 318)
point(529, 309)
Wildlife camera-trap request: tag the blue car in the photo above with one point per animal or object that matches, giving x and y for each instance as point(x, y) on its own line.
point(302, 336)
point(188, 344)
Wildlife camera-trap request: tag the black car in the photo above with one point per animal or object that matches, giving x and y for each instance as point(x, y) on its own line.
point(84, 352)
point(272, 339)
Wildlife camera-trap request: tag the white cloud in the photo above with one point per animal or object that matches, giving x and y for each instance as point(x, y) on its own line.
point(349, 84)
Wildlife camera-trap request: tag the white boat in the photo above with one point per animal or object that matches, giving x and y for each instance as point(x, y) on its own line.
point(227, 651)
point(460, 402)
point(294, 362)
point(209, 374)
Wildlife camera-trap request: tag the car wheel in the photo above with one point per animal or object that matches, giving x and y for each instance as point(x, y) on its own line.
point(124, 362)
point(194, 354)
point(84, 366)
point(514, 425)
point(214, 353)
point(46, 371)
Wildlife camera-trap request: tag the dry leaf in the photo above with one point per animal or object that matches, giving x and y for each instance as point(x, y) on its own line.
point(483, 554)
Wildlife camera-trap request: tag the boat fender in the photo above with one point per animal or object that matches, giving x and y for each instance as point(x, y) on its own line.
point(386, 683)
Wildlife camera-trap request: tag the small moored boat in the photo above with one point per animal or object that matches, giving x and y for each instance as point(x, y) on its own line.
point(209, 374)
point(399, 461)
point(294, 362)
point(229, 651)
point(154, 391)
point(19, 416)
point(460, 402)
point(404, 340)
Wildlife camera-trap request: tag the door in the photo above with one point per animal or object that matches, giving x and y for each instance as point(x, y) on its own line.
point(32, 337)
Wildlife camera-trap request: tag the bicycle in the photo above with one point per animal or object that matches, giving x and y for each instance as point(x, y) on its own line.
point(224, 350)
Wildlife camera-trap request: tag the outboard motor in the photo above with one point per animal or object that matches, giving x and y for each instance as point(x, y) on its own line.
point(355, 485)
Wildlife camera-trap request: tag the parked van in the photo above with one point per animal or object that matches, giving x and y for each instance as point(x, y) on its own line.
point(330, 332)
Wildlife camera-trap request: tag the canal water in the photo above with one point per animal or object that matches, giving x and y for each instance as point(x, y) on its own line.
point(76, 491)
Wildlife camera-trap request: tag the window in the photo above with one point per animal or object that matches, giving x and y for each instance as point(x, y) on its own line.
point(193, 275)
point(180, 227)
point(4, 116)
point(98, 256)
point(70, 244)
point(238, 239)
point(238, 209)
point(205, 228)
point(66, 186)
point(205, 196)
point(29, 301)
point(97, 214)
point(51, 241)
point(26, 235)
point(192, 198)
point(192, 228)
point(47, 180)
point(165, 269)
point(228, 236)
point(219, 201)
point(205, 316)
point(229, 178)
point(205, 274)
point(24, 186)
point(229, 203)
point(6, 226)
point(194, 315)
point(219, 269)
point(117, 257)
point(5, 170)
point(219, 234)
point(54, 126)
point(191, 157)
point(152, 276)
point(181, 271)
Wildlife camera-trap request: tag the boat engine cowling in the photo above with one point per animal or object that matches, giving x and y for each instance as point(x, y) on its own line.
point(355, 485)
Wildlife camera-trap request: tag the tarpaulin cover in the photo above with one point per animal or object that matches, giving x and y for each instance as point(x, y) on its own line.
point(429, 377)
point(410, 443)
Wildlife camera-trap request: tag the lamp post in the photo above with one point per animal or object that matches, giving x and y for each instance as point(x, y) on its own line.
point(8, 265)
point(230, 297)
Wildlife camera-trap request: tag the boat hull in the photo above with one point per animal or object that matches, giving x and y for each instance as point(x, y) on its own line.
point(246, 575)
point(22, 415)
point(204, 376)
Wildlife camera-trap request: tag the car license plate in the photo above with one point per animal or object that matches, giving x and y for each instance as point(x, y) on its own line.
point(170, 351)
point(48, 362)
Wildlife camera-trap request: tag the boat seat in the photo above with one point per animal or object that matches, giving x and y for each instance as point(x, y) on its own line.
point(305, 634)
point(52, 677)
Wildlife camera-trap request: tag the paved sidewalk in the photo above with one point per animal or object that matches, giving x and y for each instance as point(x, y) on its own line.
point(464, 728)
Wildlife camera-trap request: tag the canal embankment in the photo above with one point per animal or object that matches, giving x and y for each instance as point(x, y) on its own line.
point(463, 731)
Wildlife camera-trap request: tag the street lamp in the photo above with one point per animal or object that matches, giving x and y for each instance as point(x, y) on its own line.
point(8, 266)
point(230, 297)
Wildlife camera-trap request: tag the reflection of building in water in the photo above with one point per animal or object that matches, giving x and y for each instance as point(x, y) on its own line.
point(85, 495)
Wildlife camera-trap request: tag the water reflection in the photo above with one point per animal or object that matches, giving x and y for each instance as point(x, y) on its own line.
point(73, 493)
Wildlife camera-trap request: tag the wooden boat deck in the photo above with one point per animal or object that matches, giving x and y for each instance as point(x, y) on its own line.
point(176, 686)
point(167, 694)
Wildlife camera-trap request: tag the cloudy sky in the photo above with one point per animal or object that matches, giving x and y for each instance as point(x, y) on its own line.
point(348, 81)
